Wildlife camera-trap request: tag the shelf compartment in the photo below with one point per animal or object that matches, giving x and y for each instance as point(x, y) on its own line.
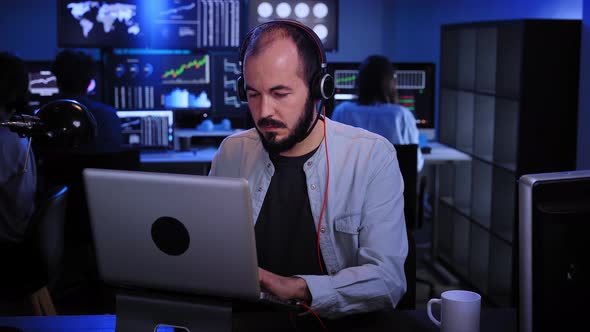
point(503, 204)
point(485, 75)
point(445, 231)
point(510, 44)
point(448, 116)
point(466, 59)
point(481, 198)
point(483, 131)
point(462, 187)
point(506, 133)
point(461, 226)
point(464, 120)
point(500, 272)
point(480, 257)
point(449, 59)
point(446, 173)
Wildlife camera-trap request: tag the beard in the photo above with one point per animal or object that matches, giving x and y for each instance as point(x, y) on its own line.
point(272, 144)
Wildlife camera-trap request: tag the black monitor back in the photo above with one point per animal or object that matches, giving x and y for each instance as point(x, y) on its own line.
point(554, 259)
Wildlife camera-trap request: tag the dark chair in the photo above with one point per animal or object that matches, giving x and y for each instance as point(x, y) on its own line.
point(407, 156)
point(33, 265)
point(65, 168)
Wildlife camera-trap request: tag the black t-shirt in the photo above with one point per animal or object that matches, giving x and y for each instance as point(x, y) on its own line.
point(286, 238)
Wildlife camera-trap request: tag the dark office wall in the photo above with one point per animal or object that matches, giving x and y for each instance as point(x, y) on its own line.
point(584, 108)
point(415, 30)
point(364, 28)
point(416, 23)
point(29, 28)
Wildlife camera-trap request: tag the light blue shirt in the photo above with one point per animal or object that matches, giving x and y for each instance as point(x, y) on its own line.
point(363, 238)
point(394, 122)
point(17, 188)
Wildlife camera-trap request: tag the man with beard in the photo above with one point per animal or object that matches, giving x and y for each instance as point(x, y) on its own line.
point(327, 198)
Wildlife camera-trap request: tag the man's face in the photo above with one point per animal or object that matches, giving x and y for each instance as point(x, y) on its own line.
point(278, 96)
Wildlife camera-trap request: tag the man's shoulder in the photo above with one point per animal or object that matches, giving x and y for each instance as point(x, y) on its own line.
point(348, 135)
point(241, 139)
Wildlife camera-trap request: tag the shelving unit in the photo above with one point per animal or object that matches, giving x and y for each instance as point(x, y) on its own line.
point(508, 99)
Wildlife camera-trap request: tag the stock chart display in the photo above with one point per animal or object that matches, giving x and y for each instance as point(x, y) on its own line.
point(171, 81)
point(414, 82)
point(226, 73)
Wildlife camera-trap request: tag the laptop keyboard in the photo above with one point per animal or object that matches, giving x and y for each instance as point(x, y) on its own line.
point(273, 299)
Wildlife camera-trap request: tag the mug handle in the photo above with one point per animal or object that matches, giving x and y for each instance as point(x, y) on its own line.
point(429, 311)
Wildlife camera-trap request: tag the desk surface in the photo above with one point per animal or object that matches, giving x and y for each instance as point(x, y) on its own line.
point(492, 320)
point(440, 153)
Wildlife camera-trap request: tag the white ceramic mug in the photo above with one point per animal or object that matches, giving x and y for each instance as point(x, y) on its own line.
point(459, 311)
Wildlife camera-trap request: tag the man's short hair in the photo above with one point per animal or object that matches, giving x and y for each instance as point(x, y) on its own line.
point(309, 54)
point(74, 70)
point(374, 80)
point(14, 81)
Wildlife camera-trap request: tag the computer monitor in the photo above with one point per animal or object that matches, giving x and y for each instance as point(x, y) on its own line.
point(225, 86)
point(345, 80)
point(321, 16)
point(195, 24)
point(147, 129)
point(554, 260)
point(159, 81)
point(155, 24)
point(43, 83)
point(101, 23)
point(415, 84)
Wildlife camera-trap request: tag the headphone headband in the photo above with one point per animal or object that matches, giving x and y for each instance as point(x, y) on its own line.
point(308, 31)
point(323, 83)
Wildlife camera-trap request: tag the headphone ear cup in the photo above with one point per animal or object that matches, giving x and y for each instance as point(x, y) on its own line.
point(327, 86)
point(322, 86)
point(242, 89)
point(315, 86)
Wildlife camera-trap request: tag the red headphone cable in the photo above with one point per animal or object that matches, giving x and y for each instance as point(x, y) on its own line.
point(325, 193)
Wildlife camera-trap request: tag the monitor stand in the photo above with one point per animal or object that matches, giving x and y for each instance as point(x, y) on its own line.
point(143, 311)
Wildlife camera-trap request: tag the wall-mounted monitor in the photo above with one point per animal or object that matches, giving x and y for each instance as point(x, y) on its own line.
point(159, 81)
point(43, 83)
point(321, 16)
point(185, 24)
point(147, 129)
point(415, 85)
point(225, 84)
point(116, 23)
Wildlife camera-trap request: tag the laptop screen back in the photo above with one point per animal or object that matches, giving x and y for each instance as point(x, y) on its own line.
point(171, 232)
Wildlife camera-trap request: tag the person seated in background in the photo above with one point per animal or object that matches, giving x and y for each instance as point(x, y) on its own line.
point(377, 109)
point(74, 71)
point(331, 236)
point(18, 185)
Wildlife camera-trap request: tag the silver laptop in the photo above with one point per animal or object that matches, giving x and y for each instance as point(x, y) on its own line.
point(171, 232)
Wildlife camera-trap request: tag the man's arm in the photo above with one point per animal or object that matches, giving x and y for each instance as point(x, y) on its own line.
point(285, 287)
point(378, 280)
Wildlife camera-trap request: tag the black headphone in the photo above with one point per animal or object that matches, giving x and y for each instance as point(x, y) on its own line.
point(322, 83)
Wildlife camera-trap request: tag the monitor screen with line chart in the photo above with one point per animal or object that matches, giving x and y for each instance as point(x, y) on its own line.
point(160, 81)
point(415, 86)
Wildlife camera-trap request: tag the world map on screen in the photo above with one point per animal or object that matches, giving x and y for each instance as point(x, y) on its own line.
point(89, 14)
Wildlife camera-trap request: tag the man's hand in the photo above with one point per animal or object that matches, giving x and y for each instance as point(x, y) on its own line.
point(285, 287)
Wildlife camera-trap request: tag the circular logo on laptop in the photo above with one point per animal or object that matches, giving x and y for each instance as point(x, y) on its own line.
point(170, 236)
